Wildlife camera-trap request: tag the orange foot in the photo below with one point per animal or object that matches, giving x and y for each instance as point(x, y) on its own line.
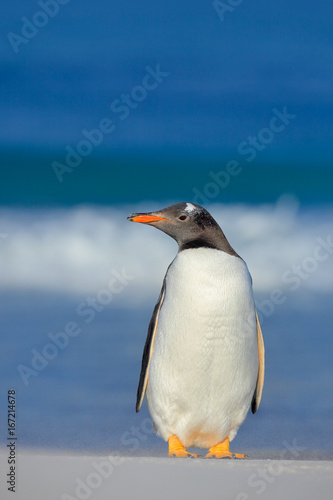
point(176, 449)
point(221, 450)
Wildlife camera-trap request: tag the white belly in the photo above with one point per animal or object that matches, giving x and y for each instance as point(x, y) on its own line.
point(205, 361)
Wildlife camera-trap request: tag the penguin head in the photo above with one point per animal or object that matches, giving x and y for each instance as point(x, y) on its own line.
point(189, 224)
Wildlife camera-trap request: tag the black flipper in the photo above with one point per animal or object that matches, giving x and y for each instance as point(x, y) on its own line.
point(148, 349)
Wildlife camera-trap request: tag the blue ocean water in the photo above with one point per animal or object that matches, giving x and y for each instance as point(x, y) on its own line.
point(221, 83)
point(240, 120)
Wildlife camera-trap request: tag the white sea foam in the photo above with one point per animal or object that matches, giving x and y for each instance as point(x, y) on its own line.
point(74, 250)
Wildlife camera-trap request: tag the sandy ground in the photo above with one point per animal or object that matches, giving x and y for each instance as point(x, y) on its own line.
point(41, 476)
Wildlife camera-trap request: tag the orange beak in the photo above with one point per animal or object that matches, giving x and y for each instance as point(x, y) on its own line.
point(145, 219)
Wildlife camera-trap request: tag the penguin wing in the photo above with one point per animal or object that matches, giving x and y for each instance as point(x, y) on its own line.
point(148, 349)
point(261, 369)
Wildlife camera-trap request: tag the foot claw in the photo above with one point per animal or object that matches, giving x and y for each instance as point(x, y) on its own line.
point(181, 454)
point(221, 450)
point(177, 450)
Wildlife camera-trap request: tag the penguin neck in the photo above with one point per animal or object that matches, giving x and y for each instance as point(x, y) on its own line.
point(216, 241)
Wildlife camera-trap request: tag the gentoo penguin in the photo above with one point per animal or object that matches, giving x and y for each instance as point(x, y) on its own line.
point(203, 361)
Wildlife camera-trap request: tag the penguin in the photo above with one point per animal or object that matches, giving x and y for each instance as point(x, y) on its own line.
point(204, 358)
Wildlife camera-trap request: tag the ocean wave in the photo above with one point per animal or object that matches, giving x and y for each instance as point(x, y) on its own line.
point(80, 250)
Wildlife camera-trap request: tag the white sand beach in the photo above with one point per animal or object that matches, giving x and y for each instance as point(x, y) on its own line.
point(42, 476)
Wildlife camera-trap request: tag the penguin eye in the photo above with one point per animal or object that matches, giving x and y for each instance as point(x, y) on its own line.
point(182, 217)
